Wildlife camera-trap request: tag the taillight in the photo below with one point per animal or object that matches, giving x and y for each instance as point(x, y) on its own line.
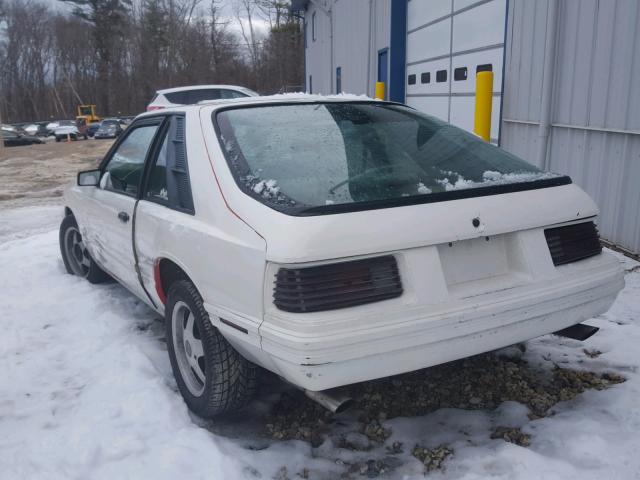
point(151, 108)
point(573, 242)
point(337, 285)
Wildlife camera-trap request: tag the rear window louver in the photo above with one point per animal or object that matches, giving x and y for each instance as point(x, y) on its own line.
point(573, 242)
point(337, 285)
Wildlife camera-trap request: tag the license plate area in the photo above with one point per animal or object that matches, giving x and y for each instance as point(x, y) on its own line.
point(482, 265)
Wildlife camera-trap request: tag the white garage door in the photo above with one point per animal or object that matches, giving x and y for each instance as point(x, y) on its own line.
point(448, 42)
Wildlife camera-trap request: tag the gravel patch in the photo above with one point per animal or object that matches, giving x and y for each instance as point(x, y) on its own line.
point(482, 382)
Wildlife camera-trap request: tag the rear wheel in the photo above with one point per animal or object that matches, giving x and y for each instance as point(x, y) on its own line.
point(212, 377)
point(76, 257)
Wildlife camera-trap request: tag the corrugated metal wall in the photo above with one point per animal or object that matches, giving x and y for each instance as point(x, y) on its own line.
point(360, 29)
point(595, 133)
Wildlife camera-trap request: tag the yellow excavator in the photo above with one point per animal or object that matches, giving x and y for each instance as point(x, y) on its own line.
point(88, 112)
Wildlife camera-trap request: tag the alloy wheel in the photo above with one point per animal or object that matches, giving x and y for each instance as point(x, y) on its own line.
point(187, 344)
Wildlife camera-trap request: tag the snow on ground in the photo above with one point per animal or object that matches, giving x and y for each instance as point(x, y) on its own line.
point(86, 392)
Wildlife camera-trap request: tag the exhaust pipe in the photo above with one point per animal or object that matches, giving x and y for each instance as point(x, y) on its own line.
point(577, 332)
point(335, 399)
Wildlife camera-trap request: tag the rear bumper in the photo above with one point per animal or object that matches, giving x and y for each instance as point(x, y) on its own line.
point(413, 339)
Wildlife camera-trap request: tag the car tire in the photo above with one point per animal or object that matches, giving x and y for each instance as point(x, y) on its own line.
point(57, 139)
point(76, 257)
point(212, 376)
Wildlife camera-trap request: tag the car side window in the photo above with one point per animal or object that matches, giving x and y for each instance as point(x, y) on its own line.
point(231, 94)
point(124, 170)
point(201, 95)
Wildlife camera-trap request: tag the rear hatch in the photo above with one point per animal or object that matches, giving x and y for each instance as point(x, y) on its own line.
point(329, 179)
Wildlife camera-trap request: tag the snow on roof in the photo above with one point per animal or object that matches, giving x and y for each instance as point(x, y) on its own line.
point(278, 98)
point(200, 87)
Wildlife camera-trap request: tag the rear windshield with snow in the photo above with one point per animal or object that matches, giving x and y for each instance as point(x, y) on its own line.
point(329, 157)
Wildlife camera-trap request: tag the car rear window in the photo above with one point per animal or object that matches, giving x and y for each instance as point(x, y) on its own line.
point(177, 97)
point(325, 157)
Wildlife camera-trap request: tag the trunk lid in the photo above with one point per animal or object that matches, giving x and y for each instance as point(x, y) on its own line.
point(292, 239)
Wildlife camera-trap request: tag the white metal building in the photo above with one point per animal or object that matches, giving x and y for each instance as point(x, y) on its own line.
point(566, 89)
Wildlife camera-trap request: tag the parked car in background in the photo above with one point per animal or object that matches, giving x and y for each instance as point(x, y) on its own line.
point(52, 126)
point(109, 128)
point(92, 128)
point(196, 93)
point(15, 139)
point(74, 131)
point(38, 129)
point(15, 128)
point(332, 241)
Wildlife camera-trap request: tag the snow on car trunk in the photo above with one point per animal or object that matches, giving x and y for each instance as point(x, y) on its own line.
point(86, 391)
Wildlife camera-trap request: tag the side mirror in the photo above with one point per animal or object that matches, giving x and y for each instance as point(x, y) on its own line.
point(89, 178)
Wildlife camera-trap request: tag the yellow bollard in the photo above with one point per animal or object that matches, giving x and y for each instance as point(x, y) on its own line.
point(484, 100)
point(380, 90)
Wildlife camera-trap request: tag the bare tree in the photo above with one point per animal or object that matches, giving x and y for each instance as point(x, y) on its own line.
point(52, 61)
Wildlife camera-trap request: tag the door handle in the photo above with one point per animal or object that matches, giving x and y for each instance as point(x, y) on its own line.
point(123, 216)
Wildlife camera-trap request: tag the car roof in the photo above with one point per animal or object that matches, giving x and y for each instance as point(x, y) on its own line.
point(287, 98)
point(200, 87)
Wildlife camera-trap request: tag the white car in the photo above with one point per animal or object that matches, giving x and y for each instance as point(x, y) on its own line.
point(68, 131)
point(331, 241)
point(191, 95)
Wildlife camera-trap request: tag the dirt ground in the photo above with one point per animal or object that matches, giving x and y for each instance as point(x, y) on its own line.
point(37, 174)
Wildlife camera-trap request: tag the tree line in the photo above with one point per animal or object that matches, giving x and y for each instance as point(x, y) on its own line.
point(117, 53)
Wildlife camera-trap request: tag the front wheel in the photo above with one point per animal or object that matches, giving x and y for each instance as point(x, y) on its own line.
point(212, 377)
point(76, 257)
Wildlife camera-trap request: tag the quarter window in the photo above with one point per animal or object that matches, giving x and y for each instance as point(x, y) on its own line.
point(167, 180)
point(231, 94)
point(157, 183)
point(124, 170)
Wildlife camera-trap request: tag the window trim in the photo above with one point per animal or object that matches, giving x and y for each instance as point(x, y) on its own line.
point(143, 122)
point(382, 203)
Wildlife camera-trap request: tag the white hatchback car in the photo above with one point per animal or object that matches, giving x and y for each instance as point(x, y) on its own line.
point(172, 97)
point(331, 241)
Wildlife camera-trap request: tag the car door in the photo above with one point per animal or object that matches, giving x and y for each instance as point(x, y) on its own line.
point(110, 226)
point(165, 201)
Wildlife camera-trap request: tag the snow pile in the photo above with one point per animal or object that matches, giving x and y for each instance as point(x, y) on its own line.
point(423, 189)
point(267, 188)
point(490, 178)
point(291, 97)
point(87, 392)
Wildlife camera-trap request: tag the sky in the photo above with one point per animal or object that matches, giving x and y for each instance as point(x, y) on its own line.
point(260, 25)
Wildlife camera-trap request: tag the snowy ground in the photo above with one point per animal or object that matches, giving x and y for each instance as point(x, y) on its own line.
point(86, 392)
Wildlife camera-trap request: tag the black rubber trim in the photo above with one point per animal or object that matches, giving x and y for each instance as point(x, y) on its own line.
point(433, 197)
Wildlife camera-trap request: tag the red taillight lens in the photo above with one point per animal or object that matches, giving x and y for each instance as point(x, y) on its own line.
point(152, 108)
